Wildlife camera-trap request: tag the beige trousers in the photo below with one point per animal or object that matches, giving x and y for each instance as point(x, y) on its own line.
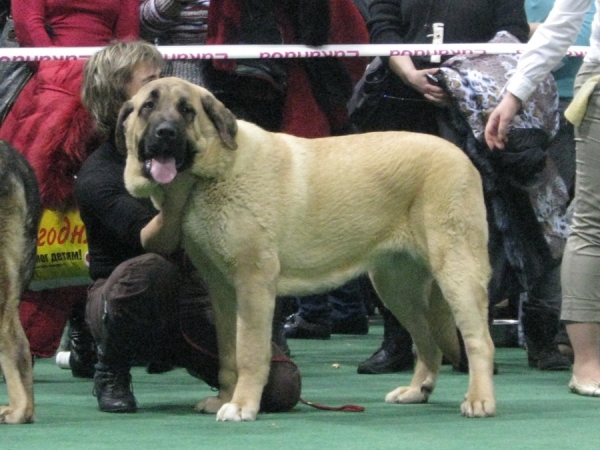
point(581, 261)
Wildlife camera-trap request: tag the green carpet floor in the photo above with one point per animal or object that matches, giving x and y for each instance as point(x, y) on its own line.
point(535, 410)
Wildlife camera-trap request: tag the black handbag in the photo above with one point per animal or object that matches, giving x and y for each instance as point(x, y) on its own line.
point(14, 75)
point(366, 101)
point(381, 101)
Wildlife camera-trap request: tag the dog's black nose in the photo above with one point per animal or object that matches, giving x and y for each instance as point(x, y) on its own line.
point(166, 131)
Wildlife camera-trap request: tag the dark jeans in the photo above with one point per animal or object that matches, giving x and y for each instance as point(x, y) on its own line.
point(345, 302)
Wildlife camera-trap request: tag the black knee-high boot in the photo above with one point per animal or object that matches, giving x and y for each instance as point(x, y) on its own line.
point(540, 326)
point(81, 344)
point(112, 378)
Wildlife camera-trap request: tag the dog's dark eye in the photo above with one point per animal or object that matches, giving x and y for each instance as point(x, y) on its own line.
point(188, 113)
point(149, 105)
point(185, 109)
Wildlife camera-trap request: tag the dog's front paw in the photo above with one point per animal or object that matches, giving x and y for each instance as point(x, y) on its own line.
point(11, 416)
point(407, 394)
point(232, 412)
point(210, 405)
point(478, 407)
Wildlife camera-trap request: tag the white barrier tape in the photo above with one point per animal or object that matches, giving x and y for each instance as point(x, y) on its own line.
point(279, 51)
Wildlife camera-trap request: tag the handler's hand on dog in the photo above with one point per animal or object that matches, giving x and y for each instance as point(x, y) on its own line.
point(496, 130)
point(163, 233)
point(177, 192)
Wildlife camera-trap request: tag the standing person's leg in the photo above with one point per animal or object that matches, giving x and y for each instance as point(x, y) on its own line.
point(348, 310)
point(278, 333)
point(396, 351)
point(126, 313)
point(541, 323)
point(313, 319)
point(581, 260)
point(340, 311)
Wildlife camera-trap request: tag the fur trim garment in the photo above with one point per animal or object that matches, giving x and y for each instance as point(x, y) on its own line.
point(50, 126)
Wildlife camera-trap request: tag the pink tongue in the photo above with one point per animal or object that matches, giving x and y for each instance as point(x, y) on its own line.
point(163, 170)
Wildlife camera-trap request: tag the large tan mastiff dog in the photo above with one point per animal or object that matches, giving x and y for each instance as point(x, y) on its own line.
point(20, 212)
point(273, 214)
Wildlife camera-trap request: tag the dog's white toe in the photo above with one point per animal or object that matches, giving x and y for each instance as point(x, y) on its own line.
point(406, 395)
point(478, 408)
point(232, 412)
point(11, 416)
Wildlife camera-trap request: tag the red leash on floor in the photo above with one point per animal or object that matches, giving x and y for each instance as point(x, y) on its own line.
point(345, 408)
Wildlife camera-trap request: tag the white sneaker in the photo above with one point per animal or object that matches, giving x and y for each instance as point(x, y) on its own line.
point(62, 360)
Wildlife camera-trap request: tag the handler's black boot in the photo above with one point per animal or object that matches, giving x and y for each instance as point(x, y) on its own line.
point(81, 345)
point(395, 353)
point(540, 326)
point(113, 390)
point(112, 379)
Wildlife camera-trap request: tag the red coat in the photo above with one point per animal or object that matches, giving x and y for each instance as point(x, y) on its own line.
point(48, 123)
point(301, 113)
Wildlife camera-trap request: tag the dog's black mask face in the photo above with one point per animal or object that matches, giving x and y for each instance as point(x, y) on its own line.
point(164, 149)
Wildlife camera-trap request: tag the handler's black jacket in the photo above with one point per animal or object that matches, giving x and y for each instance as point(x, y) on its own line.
point(112, 216)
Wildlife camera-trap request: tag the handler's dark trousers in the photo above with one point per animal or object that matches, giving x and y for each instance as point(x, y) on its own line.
point(150, 310)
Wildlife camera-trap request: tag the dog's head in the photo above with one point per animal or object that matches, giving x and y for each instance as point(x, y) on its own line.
point(169, 126)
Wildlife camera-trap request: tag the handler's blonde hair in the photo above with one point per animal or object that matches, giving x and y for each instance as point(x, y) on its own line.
point(106, 76)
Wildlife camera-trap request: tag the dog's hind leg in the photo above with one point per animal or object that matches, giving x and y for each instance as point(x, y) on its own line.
point(442, 325)
point(463, 279)
point(403, 285)
point(15, 360)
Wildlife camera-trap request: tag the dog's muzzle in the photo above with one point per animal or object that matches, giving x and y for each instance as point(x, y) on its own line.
point(163, 152)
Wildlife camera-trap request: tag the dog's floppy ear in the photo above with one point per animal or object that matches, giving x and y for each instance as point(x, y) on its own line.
point(224, 120)
point(126, 109)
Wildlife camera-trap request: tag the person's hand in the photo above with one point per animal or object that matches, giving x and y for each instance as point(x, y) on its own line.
point(176, 192)
point(496, 130)
point(163, 233)
point(403, 66)
point(418, 80)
